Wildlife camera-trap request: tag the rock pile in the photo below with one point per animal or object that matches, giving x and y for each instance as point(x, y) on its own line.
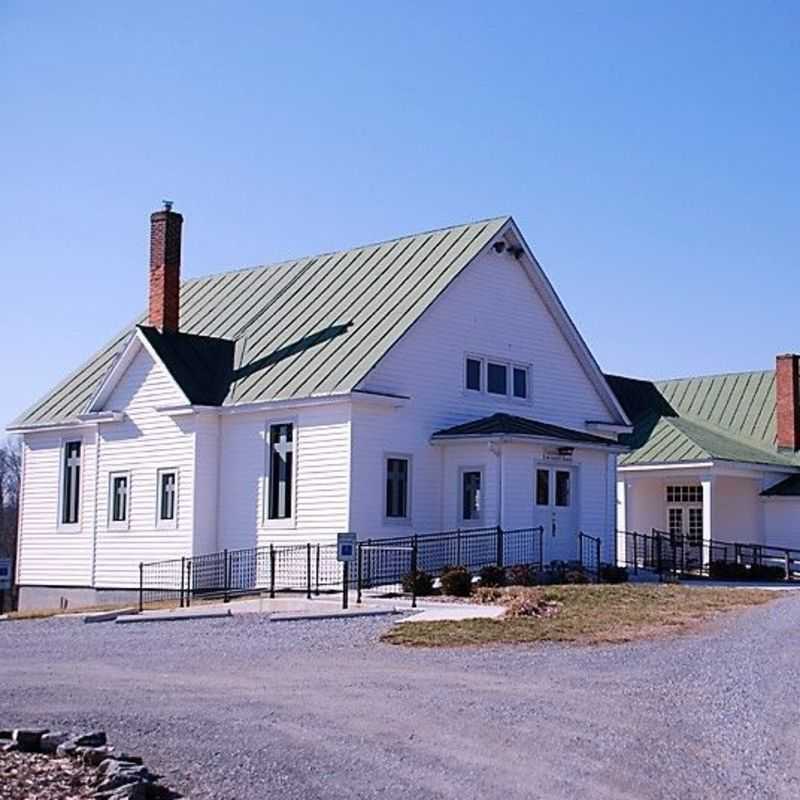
point(42, 764)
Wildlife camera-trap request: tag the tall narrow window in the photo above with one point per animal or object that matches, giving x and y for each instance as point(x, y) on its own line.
point(281, 449)
point(167, 495)
point(696, 526)
point(471, 495)
point(542, 487)
point(119, 498)
point(473, 376)
point(397, 488)
point(520, 383)
point(496, 378)
point(563, 490)
point(71, 483)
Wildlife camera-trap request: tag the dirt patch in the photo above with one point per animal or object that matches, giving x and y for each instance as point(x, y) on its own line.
point(582, 614)
point(29, 776)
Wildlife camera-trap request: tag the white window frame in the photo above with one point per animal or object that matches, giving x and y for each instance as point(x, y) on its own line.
point(121, 525)
point(406, 520)
point(284, 522)
point(478, 522)
point(510, 367)
point(70, 526)
point(168, 524)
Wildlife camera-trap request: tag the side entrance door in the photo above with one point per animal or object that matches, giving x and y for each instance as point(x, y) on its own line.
point(556, 510)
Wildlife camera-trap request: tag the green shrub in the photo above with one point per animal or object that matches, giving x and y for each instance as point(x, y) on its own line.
point(522, 575)
point(456, 581)
point(419, 583)
point(492, 575)
point(762, 572)
point(730, 571)
point(610, 573)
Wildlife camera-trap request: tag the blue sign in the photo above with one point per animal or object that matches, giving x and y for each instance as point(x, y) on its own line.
point(346, 546)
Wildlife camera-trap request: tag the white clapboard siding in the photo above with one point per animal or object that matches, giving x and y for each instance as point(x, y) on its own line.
point(50, 554)
point(143, 443)
point(491, 310)
point(322, 479)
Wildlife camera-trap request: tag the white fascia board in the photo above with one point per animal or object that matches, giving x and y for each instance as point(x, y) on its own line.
point(522, 439)
point(565, 323)
point(82, 421)
point(689, 465)
point(252, 408)
point(719, 467)
point(608, 428)
point(100, 417)
point(121, 363)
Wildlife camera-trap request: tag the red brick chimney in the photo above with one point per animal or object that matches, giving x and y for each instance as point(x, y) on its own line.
point(787, 401)
point(165, 268)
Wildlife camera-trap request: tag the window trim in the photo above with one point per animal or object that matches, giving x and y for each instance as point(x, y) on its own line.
point(60, 524)
point(510, 366)
point(282, 522)
point(407, 519)
point(479, 520)
point(168, 524)
point(111, 523)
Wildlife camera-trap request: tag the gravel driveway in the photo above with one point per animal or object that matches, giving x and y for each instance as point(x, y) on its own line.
point(243, 708)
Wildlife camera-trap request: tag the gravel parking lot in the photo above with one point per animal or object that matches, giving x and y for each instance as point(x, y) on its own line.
point(244, 708)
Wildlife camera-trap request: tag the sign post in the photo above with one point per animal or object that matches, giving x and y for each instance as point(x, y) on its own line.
point(346, 544)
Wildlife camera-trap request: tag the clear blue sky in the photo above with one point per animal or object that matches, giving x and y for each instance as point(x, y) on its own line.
point(649, 151)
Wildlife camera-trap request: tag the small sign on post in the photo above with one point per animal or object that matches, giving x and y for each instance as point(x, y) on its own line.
point(346, 544)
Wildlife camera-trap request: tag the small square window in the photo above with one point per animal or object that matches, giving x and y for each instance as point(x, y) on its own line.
point(497, 378)
point(520, 383)
point(473, 377)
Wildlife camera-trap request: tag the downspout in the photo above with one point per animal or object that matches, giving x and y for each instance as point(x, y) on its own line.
point(21, 501)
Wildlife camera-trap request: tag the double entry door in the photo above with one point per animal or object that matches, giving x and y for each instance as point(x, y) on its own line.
point(556, 510)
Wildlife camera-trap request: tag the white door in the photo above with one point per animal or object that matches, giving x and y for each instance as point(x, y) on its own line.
point(555, 508)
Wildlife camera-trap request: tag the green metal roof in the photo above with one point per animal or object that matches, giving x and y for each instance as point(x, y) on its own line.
point(713, 417)
point(313, 326)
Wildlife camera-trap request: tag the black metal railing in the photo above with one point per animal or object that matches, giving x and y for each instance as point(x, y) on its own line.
point(589, 554)
point(313, 568)
point(666, 553)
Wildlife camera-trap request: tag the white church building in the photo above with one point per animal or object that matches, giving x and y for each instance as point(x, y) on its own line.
point(426, 383)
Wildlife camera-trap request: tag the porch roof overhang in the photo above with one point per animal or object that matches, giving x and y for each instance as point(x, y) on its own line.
point(511, 428)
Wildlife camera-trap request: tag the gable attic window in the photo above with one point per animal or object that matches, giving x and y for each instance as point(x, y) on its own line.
point(473, 374)
point(520, 383)
point(496, 378)
point(71, 483)
point(281, 464)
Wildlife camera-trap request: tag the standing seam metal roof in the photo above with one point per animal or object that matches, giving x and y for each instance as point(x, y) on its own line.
point(311, 326)
point(727, 417)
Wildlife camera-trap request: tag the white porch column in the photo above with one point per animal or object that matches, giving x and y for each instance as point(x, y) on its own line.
point(707, 485)
point(621, 520)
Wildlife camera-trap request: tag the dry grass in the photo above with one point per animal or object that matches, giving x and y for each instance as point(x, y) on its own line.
point(587, 615)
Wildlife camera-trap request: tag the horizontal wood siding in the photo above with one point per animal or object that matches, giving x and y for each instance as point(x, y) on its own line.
point(143, 443)
point(48, 553)
point(493, 310)
point(322, 478)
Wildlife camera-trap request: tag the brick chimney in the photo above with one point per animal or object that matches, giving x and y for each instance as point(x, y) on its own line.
point(165, 268)
point(787, 401)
